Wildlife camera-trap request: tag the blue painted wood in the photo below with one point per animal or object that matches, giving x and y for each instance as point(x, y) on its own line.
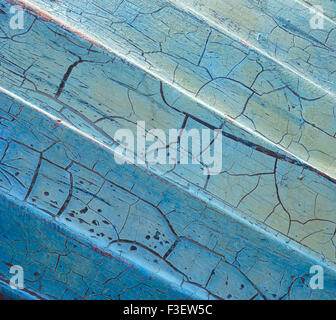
point(83, 226)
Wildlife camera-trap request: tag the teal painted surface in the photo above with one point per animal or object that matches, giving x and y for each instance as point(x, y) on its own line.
point(163, 231)
point(174, 246)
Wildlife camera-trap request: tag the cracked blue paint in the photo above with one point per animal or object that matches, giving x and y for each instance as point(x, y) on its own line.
point(84, 227)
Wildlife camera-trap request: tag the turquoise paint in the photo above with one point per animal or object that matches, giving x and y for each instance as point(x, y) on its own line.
point(253, 231)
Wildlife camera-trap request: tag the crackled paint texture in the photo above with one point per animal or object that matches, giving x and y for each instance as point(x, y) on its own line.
point(84, 227)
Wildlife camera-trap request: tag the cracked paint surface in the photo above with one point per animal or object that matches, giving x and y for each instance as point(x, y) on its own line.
point(215, 69)
point(164, 233)
point(253, 231)
point(280, 30)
